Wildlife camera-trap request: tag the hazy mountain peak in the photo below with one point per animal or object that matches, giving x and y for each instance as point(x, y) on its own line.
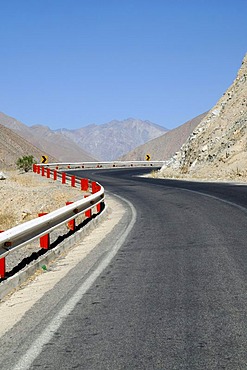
point(112, 139)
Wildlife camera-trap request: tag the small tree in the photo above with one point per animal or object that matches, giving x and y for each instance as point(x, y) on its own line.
point(25, 163)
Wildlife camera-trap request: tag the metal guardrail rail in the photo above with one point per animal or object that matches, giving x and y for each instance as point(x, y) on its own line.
point(22, 234)
point(107, 164)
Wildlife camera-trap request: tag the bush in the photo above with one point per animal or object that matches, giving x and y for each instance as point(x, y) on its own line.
point(26, 162)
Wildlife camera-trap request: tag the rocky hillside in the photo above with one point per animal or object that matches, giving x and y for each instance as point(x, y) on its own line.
point(217, 148)
point(166, 145)
point(13, 146)
point(49, 142)
point(111, 140)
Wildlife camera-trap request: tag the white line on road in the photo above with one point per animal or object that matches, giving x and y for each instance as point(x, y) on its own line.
point(243, 209)
point(34, 351)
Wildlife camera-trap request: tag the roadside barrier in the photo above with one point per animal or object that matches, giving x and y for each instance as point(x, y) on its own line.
point(20, 235)
point(108, 164)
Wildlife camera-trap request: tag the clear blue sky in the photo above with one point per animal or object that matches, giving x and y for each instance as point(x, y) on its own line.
point(69, 63)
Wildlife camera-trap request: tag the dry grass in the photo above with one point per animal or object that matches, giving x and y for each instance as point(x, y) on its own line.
point(24, 195)
point(7, 220)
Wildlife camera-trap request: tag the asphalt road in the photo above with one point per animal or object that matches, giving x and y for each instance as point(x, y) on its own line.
point(174, 296)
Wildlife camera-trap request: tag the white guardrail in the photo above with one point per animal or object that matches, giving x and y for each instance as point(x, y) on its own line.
point(22, 234)
point(109, 164)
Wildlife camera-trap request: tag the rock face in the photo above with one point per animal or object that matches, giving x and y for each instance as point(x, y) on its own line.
point(217, 148)
point(2, 176)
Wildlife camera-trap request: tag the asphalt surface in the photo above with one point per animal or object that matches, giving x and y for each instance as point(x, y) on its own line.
point(173, 296)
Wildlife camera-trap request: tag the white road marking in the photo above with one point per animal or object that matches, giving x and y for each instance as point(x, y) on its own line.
point(34, 351)
point(243, 209)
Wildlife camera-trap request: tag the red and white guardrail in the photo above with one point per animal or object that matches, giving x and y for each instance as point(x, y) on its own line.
point(20, 235)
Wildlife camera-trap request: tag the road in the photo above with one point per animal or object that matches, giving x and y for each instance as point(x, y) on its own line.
point(173, 296)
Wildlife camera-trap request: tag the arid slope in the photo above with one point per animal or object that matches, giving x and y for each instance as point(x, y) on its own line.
point(166, 145)
point(13, 146)
point(217, 148)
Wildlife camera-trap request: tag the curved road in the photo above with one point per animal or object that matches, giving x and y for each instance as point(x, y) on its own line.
point(174, 296)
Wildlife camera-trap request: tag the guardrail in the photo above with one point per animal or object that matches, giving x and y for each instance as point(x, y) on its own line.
point(20, 235)
point(109, 164)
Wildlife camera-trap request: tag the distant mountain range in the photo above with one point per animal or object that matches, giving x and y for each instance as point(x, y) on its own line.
point(49, 142)
point(90, 143)
point(111, 140)
point(211, 144)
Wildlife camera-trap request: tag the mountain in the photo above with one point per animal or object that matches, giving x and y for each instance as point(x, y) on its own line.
point(47, 140)
point(111, 140)
point(90, 143)
point(13, 146)
point(166, 145)
point(217, 148)
point(64, 149)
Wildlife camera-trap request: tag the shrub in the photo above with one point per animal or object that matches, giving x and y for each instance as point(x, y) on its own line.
point(26, 162)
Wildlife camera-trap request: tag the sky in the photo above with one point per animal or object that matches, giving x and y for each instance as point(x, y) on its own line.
point(70, 63)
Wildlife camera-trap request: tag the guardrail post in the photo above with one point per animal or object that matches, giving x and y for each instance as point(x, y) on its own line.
point(2, 264)
point(34, 168)
point(95, 187)
point(88, 213)
point(84, 184)
point(48, 173)
point(99, 207)
point(71, 223)
point(73, 181)
point(2, 268)
point(43, 171)
point(64, 178)
point(45, 239)
point(54, 175)
point(38, 169)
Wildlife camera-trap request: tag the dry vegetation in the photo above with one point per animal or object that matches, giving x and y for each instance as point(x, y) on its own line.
point(24, 195)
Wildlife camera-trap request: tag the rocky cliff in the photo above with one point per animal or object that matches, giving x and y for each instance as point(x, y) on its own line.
point(217, 148)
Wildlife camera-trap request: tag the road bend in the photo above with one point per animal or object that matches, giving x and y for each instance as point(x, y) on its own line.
point(172, 295)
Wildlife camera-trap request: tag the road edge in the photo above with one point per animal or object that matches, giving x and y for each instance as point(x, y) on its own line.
point(11, 284)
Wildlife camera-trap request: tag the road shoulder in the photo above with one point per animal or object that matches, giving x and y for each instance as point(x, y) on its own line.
point(15, 305)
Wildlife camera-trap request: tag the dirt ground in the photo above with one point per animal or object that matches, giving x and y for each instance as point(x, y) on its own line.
point(25, 194)
point(23, 197)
